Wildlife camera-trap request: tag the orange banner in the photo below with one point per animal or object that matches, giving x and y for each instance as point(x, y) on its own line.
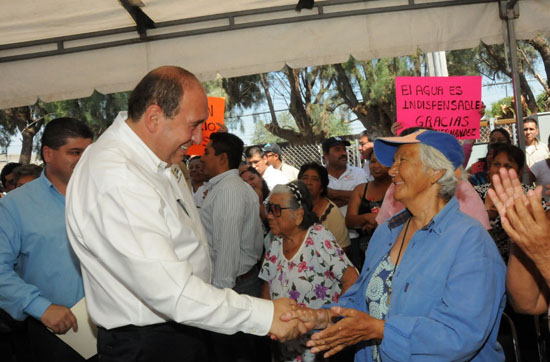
point(216, 108)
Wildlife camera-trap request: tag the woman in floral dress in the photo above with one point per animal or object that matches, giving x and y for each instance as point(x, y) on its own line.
point(304, 261)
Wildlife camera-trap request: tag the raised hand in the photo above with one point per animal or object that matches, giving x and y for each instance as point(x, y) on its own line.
point(395, 127)
point(525, 222)
point(286, 330)
point(355, 326)
point(59, 319)
point(507, 187)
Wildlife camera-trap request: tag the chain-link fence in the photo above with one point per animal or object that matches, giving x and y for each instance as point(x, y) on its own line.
point(297, 155)
point(487, 126)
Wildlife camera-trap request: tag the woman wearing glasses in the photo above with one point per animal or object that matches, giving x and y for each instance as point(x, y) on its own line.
point(304, 261)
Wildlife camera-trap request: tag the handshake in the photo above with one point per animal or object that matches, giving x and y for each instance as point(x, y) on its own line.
point(291, 321)
point(342, 327)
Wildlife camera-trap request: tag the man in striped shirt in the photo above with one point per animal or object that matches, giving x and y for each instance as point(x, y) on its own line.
point(231, 218)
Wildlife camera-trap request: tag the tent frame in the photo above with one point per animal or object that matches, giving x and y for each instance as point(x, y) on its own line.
point(234, 20)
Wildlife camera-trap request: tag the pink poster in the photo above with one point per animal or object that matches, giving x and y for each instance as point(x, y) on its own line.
point(447, 104)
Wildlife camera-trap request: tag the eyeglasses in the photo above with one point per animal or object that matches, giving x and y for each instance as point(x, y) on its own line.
point(274, 209)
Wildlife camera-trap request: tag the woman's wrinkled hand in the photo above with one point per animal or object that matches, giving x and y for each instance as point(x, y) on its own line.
point(354, 327)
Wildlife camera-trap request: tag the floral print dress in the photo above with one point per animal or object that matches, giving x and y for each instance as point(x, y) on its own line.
point(311, 277)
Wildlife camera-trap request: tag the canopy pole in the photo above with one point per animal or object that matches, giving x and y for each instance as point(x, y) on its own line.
point(509, 11)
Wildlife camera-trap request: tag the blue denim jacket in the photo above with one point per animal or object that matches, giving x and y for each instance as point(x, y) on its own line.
point(448, 292)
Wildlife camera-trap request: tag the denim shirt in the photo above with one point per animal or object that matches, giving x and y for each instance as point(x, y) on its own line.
point(448, 292)
point(37, 264)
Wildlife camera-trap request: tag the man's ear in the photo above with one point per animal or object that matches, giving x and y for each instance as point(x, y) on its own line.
point(224, 161)
point(48, 154)
point(153, 117)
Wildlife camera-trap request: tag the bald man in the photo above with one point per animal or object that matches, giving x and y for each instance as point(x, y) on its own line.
point(144, 255)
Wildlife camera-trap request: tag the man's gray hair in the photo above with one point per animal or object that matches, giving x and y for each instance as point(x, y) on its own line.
point(435, 160)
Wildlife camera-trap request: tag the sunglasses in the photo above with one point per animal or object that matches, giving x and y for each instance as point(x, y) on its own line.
point(274, 209)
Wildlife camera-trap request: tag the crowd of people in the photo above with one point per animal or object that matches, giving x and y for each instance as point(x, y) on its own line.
point(198, 258)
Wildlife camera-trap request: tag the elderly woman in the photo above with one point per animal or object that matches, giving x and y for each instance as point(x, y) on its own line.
point(315, 177)
point(432, 287)
point(304, 262)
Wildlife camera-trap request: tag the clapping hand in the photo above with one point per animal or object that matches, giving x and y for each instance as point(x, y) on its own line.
point(395, 127)
point(522, 216)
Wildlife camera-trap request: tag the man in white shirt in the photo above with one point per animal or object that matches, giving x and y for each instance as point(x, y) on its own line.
point(342, 177)
point(274, 158)
point(256, 158)
point(534, 149)
point(365, 148)
point(133, 225)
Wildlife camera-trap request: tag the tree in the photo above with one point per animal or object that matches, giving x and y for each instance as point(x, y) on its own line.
point(334, 125)
point(493, 64)
point(98, 110)
point(368, 89)
point(28, 120)
point(306, 92)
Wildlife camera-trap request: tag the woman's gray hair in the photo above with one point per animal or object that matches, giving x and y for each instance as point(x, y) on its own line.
point(435, 160)
point(299, 198)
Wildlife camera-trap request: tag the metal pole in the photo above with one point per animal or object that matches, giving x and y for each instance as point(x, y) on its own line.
point(443, 64)
point(509, 16)
point(430, 61)
point(509, 11)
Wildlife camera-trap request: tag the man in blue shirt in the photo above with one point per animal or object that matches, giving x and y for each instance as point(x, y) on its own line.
point(39, 273)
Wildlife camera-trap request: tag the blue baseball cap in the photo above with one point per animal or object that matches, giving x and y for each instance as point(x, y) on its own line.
point(385, 148)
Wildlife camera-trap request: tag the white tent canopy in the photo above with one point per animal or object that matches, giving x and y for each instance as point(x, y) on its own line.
point(62, 49)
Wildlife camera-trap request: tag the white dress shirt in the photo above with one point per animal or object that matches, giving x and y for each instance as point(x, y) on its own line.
point(143, 251)
point(230, 215)
point(273, 177)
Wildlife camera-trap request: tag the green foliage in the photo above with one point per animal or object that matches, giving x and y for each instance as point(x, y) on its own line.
point(336, 125)
point(214, 88)
point(500, 109)
point(243, 92)
point(543, 102)
point(463, 62)
point(98, 110)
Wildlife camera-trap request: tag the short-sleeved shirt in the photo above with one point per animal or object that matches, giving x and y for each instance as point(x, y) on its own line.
point(311, 277)
point(273, 177)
